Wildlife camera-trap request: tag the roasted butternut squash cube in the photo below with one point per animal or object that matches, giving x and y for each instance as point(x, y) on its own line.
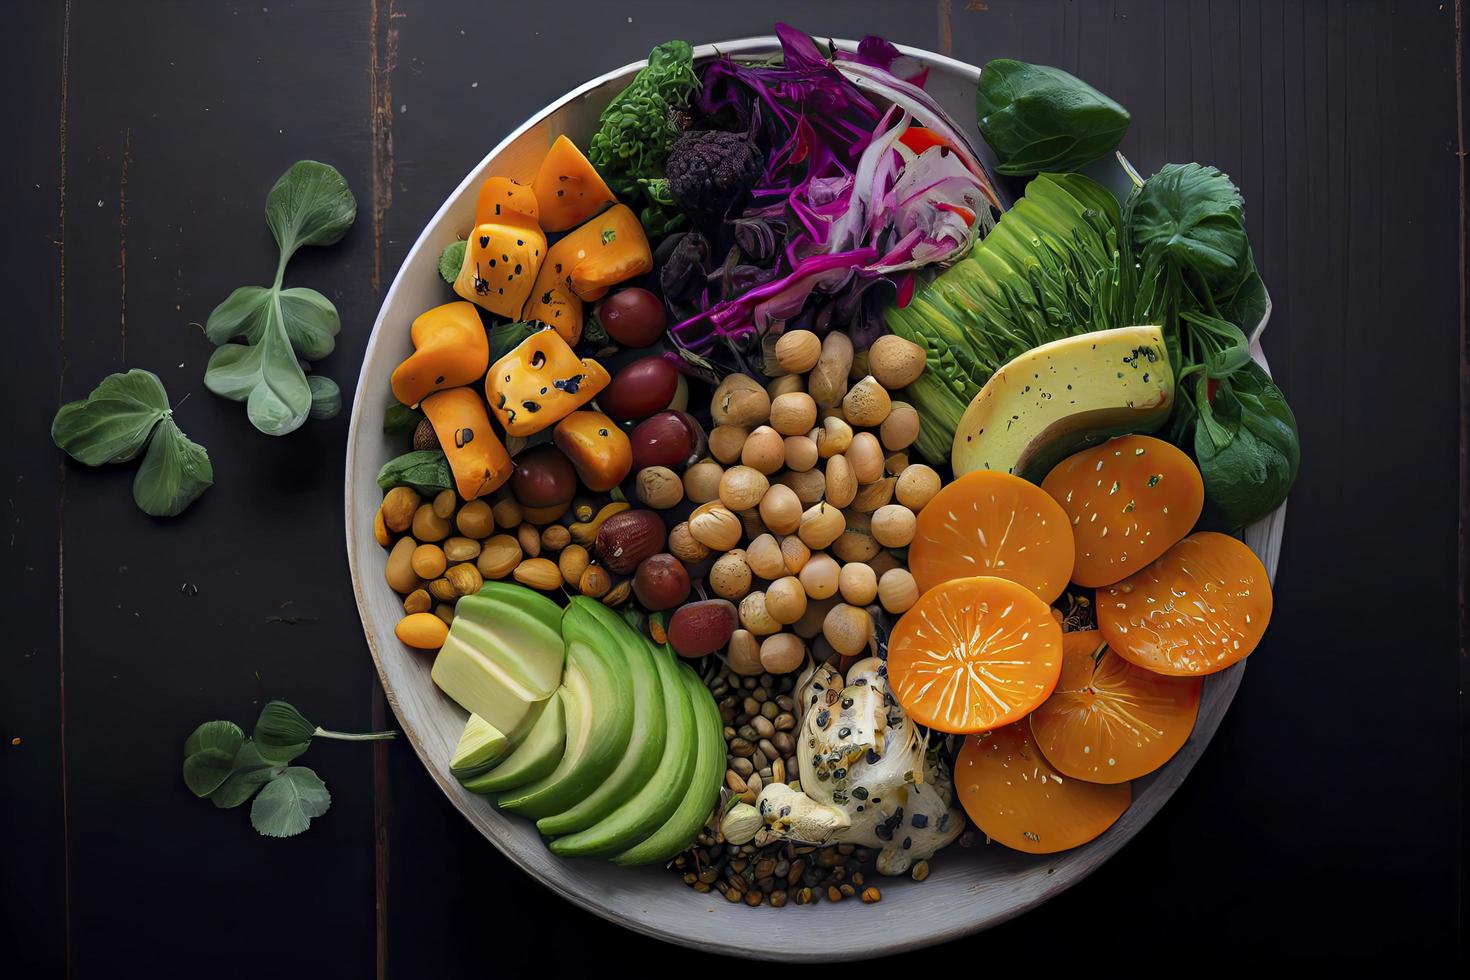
point(450, 349)
point(501, 196)
point(553, 302)
point(477, 458)
point(568, 188)
point(501, 263)
point(609, 249)
point(540, 383)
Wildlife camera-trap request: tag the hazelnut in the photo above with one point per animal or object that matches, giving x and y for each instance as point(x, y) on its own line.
point(858, 583)
point(820, 576)
point(793, 414)
point(874, 495)
point(726, 441)
point(901, 428)
point(702, 481)
point(730, 576)
point(786, 600)
point(797, 351)
point(848, 629)
point(763, 555)
point(743, 653)
point(755, 617)
point(659, 487)
point(715, 526)
point(795, 553)
point(841, 483)
point(833, 437)
point(893, 526)
point(801, 453)
point(866, 403)
point(866, 457)
point(821, 525)
point(782, 653)
point(897, 590)
point(856, 543)
point(684, 547)
point(780, 509)
point(765, 450)
point(739, 400)
point(916, 486)
point(895, 362)
point(809, 486)
point(742, 487)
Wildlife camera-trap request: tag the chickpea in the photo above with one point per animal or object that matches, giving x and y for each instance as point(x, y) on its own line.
point(429, 526)
point(858, 583)
point(702, 481)
point(917, 485)
point(793, 414)
point(764, 451)
point(893, 526)
point(782, 653)
point(786, 600)
point(848, 629)
point(801, 453)
point(730, 576)
point(726, 441)
point(820, 575)
point(781, 509)
point(897, 590)
point(428, 561)
point(475, 520)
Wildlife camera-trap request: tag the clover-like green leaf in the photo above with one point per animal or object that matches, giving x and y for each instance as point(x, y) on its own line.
point(310, 204)
point(287, 804)
point(175, 471)
point(111, 424)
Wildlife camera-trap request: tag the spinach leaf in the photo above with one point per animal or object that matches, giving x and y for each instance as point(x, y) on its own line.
point(400, 420)
point(1037, 118)
point(1246, 443)
point(122, 415)
point(426, 470)
point(175, 471)
point(112, 423)
point(309, 205)
point(287, 804)
point(451, 259)
point(1195, 217)
point(508, 337)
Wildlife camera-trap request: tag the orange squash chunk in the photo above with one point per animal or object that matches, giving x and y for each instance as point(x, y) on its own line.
point(500, 196)
point(450, 350)
point(1109, 721)
point(992, 523)
point(974, 654)
point(569, 190)
point(1015, 796)
point(1129, 500)
point(1199, 608)
point(477, 458)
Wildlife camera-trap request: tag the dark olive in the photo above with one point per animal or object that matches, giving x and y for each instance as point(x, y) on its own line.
point(633, 317)
point(637, 391)
point(543, 477)
point(661, 582)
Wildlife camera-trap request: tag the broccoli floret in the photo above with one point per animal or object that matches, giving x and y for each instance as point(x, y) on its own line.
point(709, 171)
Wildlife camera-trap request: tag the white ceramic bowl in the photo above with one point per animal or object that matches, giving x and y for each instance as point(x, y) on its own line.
point(968, 890)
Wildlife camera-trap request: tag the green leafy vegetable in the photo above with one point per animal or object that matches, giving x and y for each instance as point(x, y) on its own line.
point(426, 470)
point(124, 413)
point(507, 337)
point(1195, 217)
point(221, 764)
point(1037, 118)
point(1246, 444)
point(637, 129)
point(400, 420)
point(451, 260)
point(309, 205)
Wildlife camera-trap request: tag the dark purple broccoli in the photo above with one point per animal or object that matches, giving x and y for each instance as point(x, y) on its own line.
point(709, 171)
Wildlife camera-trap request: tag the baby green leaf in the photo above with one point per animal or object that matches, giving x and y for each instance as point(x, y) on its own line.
point(175, 471)
point(1036, 117)
point(223, 735)
point(309, 318)
point(112, 423)
point(426, 470)
point(326, 397)
point(281, 732)
point(311, 322)
point(400, 420)
point(1195, 216)
point(249, 772)
point(209, 754)
point(450, 261)
point(287, 804)
point(267, 377)
point(309, 205)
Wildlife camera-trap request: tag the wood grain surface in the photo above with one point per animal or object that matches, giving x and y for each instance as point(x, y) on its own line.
point(1324, 819)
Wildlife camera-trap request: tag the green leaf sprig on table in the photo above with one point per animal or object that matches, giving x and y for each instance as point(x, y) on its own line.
point(227, 768)
point(284, 330)
point(113, 424)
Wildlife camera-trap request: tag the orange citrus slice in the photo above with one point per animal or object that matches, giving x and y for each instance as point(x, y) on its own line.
point(1128, 500)
point(1109, 721)
point(974, 654)
point(992, 523)
point(1015, 796)
point(1202, 606)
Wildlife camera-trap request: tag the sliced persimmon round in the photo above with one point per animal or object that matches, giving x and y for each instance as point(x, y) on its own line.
point(1018, 799)
point(1110, 721)
point(974, 654)
point(1200, 607)
point(1128, 500)
point(993, 523)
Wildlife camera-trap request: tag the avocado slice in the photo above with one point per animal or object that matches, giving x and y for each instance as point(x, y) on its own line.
point(652, 802)
point(532, 759)
point(1064, 396)
point(480, 746)
point(503, 657)
point(698, 802)
point(599, 722)
point(645, 744)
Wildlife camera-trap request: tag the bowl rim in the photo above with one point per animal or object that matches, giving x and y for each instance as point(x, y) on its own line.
point(1266, 535)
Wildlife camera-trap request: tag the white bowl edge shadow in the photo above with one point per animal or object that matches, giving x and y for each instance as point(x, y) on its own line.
point(968, 889)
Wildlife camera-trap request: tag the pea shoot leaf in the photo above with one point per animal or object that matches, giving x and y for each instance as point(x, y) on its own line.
point(175, 471)
point(250, 772)
point(282, 733)
point(286, 805)
point(209, 755)
point(326, 397)
point(112, 423)
point(310, 204)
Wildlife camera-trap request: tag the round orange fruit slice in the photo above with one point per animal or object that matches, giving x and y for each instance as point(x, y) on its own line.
point(1109, 721)
point(993, 523)
point(974, 654)
point(1128, 500)
point(1202, 606)
point(1015, 796)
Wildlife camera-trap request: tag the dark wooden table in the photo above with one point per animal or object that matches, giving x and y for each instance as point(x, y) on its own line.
point(1323, 821)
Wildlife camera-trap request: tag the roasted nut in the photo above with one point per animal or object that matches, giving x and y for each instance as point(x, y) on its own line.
point(858, 583)
point(874, 495)
point(429, 526)
point(555, 537)
point(742, 487)
point(801, 453)
point(572, 562)
point(782, 653)
point(726, 441)
point(683, 546)
point(832, 437)
point(827, 382)
point(784, 384)
point(595, 582)
point(398, 508)
point(794, 553)
point(661, 582)
point(809, 486)
point(530, 539)
point(539, 573)
point(797, 351)
point(627, 538)
point(893, 526)
point(895, 362)
point(848, 629)
point(755, 617)
point(618, 594)
point(461, 549)
point(865, 456)
point(699, 628)
point(793, 414)
point(443, 504)
point(897, 590)
point(381, 534)
point(730, 576)
point(428, 561)
point(715, 526)
point(821, 525)
point(424, 436)
point(856, 541)
point(763, 555)
point(896, 464)
point(786, 600)
point(659, 487)
point(702, 481)
point(916, 486)
point(820, 577)
point(443, 590)
point(764, 450)
point(417, 601)
point(399, 569)
point(465, 578)
point(739, 400)
point(901, 428)
point(507, 514)
point(422, 631)
point(475, 520)
point(866, 403)
point(445, 612)
point(842, 484)
point(499, 556)
point(781, 509)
